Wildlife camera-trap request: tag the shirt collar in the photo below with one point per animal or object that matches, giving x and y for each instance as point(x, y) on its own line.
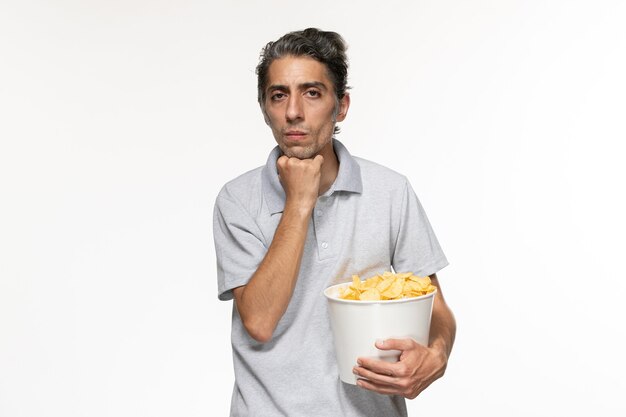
point(348, 177)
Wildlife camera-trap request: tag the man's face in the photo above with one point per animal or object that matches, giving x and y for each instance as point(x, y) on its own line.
point(300, 106)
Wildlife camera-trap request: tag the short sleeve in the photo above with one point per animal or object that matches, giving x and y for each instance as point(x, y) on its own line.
point(239, 245)
point(417, 248)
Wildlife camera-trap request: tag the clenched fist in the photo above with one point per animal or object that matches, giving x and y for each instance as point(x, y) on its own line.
point(300, 179)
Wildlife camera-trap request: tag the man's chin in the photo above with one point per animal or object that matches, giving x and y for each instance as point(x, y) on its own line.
point(300, 153)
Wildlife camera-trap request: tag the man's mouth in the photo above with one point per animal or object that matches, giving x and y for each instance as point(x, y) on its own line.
point(295, 134)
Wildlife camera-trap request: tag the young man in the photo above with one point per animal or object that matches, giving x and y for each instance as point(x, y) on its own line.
point(313, 216)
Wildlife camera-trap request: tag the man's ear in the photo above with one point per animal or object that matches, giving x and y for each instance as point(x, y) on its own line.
point(344, 105)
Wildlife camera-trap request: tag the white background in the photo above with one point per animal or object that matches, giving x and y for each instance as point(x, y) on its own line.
point(121, 119)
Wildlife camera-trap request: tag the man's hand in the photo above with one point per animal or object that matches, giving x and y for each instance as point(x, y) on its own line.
point(418, 367)
point(300, 179)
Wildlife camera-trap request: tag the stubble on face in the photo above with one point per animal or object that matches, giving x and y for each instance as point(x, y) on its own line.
point(315, 117)
point(308, 151)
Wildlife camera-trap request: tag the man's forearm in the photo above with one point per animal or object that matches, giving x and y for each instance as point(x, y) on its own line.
point(443, 324)
point(263, 301)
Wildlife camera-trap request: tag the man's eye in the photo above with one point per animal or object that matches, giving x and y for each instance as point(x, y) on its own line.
point(313, 93)
point(277, 96)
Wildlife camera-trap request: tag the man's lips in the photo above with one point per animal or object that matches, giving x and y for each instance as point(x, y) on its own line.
point(295, 134)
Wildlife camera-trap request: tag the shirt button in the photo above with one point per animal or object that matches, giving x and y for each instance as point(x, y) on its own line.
point(324, 245)
point(318, 213)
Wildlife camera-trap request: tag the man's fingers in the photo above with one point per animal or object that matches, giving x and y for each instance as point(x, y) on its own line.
point(282, 161)
point(319, 160)
point(396, 344)
point(372, 386)
point(380, 367)
point(381, 377)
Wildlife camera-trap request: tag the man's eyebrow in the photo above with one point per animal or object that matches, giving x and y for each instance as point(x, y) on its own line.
point(303, 86)
point(317, 84)
point(279, 87)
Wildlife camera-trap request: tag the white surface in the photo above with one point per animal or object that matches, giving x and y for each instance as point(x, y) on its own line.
point(357, 325)
point(120, 120)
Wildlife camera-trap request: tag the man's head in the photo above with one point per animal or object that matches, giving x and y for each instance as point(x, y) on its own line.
point(302, 87)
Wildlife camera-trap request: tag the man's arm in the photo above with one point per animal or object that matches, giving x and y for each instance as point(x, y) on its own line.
point(443, 324)
point(264, 299)
point(419, 366)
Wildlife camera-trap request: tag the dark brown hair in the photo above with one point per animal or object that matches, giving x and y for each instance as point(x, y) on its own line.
point(328, 48)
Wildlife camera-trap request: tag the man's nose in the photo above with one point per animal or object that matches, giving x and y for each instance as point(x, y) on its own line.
point(294, 108)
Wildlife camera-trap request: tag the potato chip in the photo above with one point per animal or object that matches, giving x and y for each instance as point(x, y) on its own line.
point(388, 286)
point(370, 295)
point(384, 284)
point(349, 294)
point(372, 282)
point(395, 289)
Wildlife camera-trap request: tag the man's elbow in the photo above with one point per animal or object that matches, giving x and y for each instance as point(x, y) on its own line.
point(261, 332)
point(259, 326)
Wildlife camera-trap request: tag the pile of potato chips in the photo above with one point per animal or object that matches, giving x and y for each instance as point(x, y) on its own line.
point(388, 286)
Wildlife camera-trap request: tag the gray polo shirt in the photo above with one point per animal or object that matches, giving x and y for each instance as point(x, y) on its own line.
point(368, 222)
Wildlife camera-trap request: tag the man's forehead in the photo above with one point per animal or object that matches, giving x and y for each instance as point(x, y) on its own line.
point(297, 70)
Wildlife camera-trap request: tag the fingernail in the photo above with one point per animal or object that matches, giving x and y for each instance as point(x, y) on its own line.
point(358, 362)
point(380, 342)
